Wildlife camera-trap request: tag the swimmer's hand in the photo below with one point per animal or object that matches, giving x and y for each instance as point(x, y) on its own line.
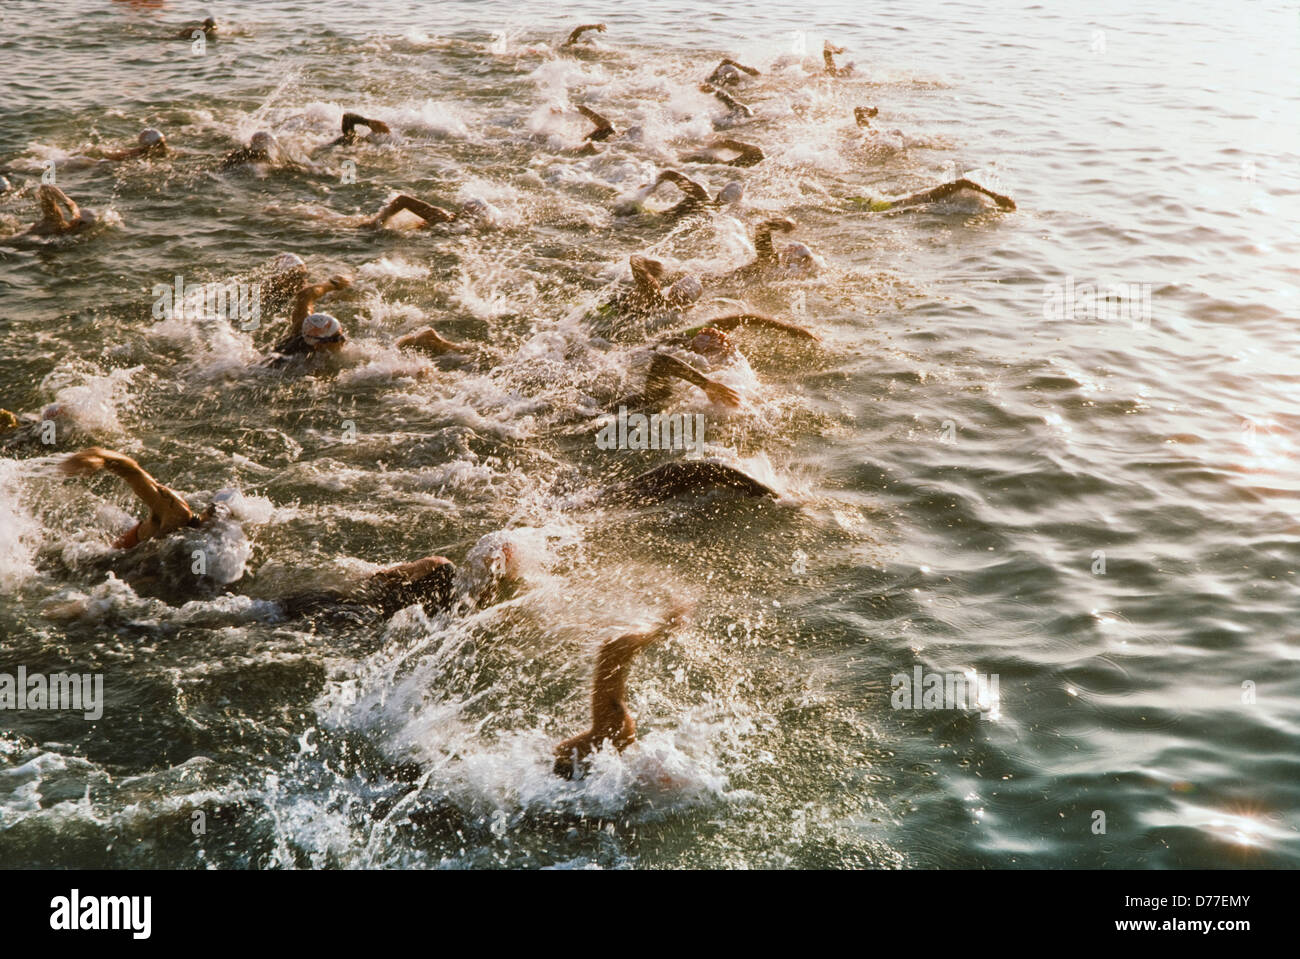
point(340, 281)
point(721, 393)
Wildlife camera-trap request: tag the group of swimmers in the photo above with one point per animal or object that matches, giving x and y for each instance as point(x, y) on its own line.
point(637, 313)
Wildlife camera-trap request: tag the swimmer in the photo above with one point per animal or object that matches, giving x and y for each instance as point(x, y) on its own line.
point(796, 259)
point(208, 28)
point(262, 148)
point(427, 582)
point(168, 512)
point(728, 152)
point(60, 215)
point(603, 128)
point(320, 335)
point(427, 212)
point(648, 295)
point(18, 432)
point(658, 388)
point(729, 73)
point(695, 197)
point(828, 60)
point(944, 191)
point(611, 722)
point(709, 346)
point(378, 128)
point(150, 143)
point(491, 567)
point(579, 31)
point(734, 321)
point(304, 305)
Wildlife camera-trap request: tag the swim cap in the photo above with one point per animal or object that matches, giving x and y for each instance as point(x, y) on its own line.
point(150, 137)
point(732, 192)
point(87, 216)
point(288, 261)
point(798, 256)
point(320, 327)
point(711, 340)
point(262, 141)
point(727, 74)
point(5, 185)
point(52, 411)
point(688, 289)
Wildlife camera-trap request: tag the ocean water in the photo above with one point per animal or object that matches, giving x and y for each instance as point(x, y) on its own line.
point(984, 468)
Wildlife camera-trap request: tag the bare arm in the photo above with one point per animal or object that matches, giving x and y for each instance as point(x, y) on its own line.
point(763, 237)
point(579, 31)
point(664, 368)
point(168, 511)
point(733, 320)
point(305, 302)
point(604, 129)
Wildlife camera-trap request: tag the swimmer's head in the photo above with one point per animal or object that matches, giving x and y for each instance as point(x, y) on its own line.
point(152, 140)
point(686, 290)
point(726, 75)
point(712, 343)
point(87, 217)
point(491, 565)
point(323, 332)
point(798, 258)
point(54, 411)
point(480, 211)
point(733, 192)
point(288, 261)
point(263, 142)
point(5, 185)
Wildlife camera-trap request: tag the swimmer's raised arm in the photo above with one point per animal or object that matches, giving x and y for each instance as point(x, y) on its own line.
point(167, 510)
point(763, 237)
point(304, 303)
point(696, 196)
point(604, 129)
point(721, 74)
point(828, 60)
point(579, 31)
point(610, 719)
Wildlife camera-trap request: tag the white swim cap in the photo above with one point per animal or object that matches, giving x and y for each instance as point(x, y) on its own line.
point(149, 137)
point(262, 141)
point(87, 216)
point(732, 192)
point(227, 494)
point(5, 185)
point(688, 289)
point(320, 327)
point(727, 73)
point(480, 210)
point(798, 256)
point(287, 261)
